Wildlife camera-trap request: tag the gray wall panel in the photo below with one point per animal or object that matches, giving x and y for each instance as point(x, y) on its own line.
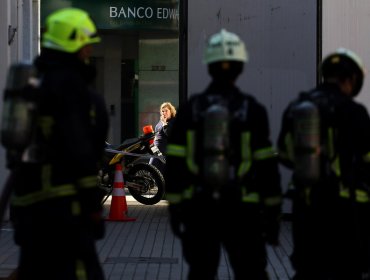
point(280, 37)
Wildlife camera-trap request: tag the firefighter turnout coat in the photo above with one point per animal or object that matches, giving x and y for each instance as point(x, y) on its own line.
point(254, 177)
point(347, 144)
point(55, 207)
point(330, 217)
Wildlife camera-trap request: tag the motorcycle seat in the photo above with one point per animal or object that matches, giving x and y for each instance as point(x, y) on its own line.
point(122, 146)
point(129, 142)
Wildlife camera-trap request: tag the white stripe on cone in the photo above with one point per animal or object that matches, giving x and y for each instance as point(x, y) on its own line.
point(118, 177)
point(118, 192)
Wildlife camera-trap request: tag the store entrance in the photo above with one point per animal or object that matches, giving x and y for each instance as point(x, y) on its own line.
point(129, 103)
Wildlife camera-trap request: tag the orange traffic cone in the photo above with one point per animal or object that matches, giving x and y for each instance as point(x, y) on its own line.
point(118, 205)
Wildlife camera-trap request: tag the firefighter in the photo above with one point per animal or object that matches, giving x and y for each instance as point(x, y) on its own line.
point(331, 174)
point(55, 206)
point(228, 191)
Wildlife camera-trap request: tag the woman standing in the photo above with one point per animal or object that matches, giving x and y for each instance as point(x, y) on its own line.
point(163, 127)
point(162, 130)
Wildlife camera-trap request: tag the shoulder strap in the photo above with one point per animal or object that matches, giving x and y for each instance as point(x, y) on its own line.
point(239, 107)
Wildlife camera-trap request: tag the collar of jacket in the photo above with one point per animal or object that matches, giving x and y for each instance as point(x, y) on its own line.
point(220, 88)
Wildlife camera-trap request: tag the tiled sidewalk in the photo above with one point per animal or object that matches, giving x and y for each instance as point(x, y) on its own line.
point(146, 249)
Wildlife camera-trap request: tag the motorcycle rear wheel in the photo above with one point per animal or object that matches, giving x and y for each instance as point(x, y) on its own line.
point(147, 183)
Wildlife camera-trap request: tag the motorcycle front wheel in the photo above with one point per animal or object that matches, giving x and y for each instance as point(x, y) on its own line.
point(145, 183)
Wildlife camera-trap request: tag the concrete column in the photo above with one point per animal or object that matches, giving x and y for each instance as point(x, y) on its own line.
point(4, 47)
point(19, 39)
point(35, 27)
point(5, 62)
point(20, 35)
point(15, 30)
point(27, 19)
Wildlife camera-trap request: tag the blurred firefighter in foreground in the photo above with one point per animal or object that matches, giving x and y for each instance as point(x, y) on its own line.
point(55, 205)
point(228, 191)
point(325, 140)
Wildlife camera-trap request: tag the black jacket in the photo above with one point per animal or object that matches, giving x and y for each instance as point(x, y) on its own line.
point(162, 132)
point(351, 141)
point(249, 122)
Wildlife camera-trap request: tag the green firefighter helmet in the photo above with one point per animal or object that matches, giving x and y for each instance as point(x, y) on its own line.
point(225, 46)
point(344, 63)
point(69, 30)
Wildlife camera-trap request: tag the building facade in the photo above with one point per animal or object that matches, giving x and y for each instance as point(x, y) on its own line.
point(137, 60)
point(151, 50)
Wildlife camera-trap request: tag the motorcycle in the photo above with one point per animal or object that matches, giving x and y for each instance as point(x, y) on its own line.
point(144, 181)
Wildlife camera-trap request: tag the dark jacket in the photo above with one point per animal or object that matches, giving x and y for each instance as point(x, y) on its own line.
point(71, 129)
point(257, 180)
point(162, 132)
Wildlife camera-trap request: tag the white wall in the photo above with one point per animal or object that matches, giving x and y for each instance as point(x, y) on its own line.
point(346, 23)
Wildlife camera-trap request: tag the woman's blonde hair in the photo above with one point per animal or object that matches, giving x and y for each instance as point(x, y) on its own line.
point(170, 107)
